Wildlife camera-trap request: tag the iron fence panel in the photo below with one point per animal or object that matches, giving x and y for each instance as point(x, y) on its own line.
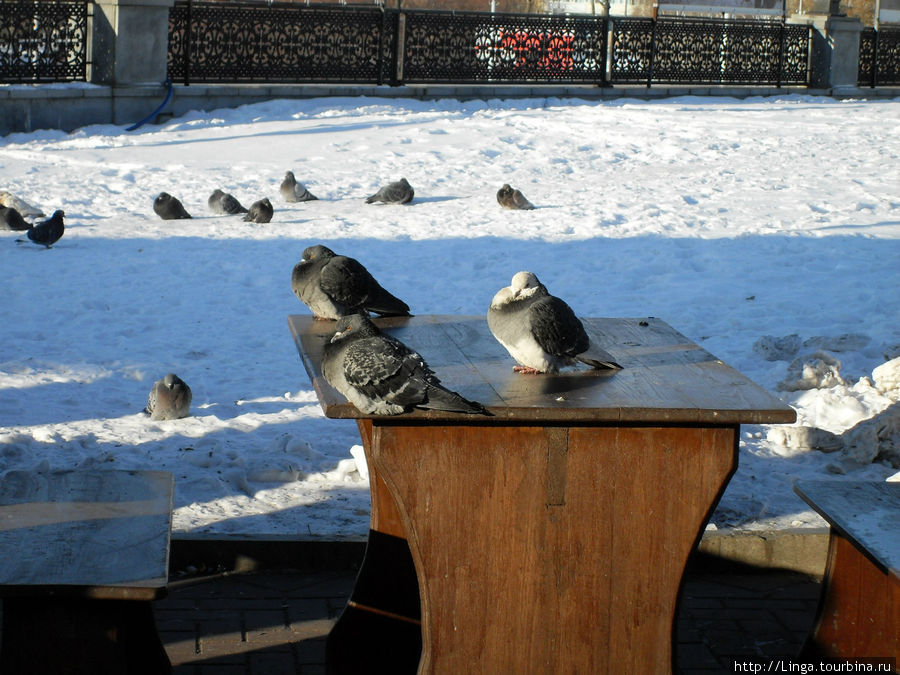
point(879, 57)
point(43, 41)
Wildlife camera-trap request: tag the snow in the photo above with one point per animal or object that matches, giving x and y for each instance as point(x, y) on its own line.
point(766, 230)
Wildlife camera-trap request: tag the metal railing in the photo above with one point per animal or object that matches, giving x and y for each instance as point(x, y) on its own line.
point(43, 41)
point(879, 57)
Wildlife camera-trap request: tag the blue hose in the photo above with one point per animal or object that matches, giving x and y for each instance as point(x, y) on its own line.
point(162, 105)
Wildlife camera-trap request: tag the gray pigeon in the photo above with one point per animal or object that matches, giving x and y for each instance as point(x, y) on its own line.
point(334, 285)
point(540, 331)
point(224, 204)
point(292, 191)
point(11, 219)
point(25, 209)
point(170, 399)
point(380, 375)
point(48, 232)
point(511, 198)
point(399, 192)
point(168, 207)
point(260, 212)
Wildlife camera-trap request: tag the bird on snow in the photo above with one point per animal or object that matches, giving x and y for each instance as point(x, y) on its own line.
point(169, 399)
point(168, 207)
point(334, 285)
point(380, 375)
point(25, 209)
point(49, 231)
point(540, 331)
point(260, 212)
point(511, 198)
point(292, 191)
point(224, 204)
point(398, 192)
point(11, 219)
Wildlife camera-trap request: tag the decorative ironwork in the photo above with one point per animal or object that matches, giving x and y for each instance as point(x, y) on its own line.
point(477, 47)
point(43, 41)
point(879, 57)
point(246, 42)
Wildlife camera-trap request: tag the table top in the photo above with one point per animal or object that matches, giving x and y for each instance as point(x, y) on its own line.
point(107, 531)
point(666, 378)
point(865, 512)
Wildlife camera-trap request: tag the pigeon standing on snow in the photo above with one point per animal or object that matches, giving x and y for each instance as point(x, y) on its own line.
point(540, 331)
point(399, 192)
point(168, 207)
point(511, 198)
point(11, 219)
point(380, 375)
point(48, 232)
point(260, 212)
point(25, 209)
point(170, 399)
point(224, 204)
point(335, 285)
point(292, 191)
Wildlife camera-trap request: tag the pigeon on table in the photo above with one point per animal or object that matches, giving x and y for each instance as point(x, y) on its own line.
point(224, 204)
point(260, 212)
point(169, 399)
point(168, 207)
point(382, 376)
point(334, 285)
point(11, 219)
point(398, 192)
point(25, 209)
point(49, 231)
point(540, 331)
point(292, 191)
point(511, 198)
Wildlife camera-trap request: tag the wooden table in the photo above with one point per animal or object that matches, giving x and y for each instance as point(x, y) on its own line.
point(551, 536)
point(859, 615)
point(84, 553)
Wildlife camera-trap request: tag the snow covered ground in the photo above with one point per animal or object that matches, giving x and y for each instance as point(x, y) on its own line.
point(766, 230)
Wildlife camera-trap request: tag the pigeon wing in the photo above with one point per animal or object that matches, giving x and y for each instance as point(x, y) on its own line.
point(346, 281)
point(556, 328)
point(384, 369)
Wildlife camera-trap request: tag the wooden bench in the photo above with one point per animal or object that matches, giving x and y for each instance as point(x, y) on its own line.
point(84, 553)
point(859, 614)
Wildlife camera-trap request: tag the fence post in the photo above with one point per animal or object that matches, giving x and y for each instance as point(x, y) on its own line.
point(130, 42)
point(835, 50)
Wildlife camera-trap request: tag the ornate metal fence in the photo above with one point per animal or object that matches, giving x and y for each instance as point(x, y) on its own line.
point(879, 57)
point(707, 51)
point(43, 41)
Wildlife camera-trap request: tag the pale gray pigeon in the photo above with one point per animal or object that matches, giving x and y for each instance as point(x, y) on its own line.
point(48, 232)
point(398, 192)
point(25, 209)
point(224, 204)
point(540, 331)
point(11, 219)
point(170, 399)
point(334, 285)
point(292, 191)
point(168, 207)
point(511, 198)
point(260, 212)
point(380, 375)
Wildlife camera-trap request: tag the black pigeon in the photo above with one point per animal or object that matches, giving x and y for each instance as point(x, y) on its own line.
point(11, 219)
point(399, 192)
point(168, 207)
point(540, 331)
point(511, 198)
point(224, 204)
point(380, 375)
point(292, 191)
point(334, 285)
point(48, 232)
point(260, 212)
point(169, 399)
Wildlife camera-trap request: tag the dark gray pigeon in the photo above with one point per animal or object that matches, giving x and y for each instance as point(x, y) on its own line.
point(380, 375)
point(399, 192)
point(170, 399)
point(224, 204)
point(292, 191)
point(260, 212)
point(11, 219)
point(511, 198)
point(540, 331)
point(48, 232)
point(334, 285)
point(168, 207)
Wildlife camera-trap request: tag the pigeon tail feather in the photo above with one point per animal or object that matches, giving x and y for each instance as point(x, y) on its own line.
point(449, 401)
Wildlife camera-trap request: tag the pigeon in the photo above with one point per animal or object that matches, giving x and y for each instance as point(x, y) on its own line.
point(25, 209)
point(399, 192)
point(380, 375)
point(540, 331)
point(168, 207)
point(11, 219)
point(170, 399)
point(49, 231)
point(511, 198)
point(334, 285)
point(292, 191)
point(224, 204)
point(260, 212)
